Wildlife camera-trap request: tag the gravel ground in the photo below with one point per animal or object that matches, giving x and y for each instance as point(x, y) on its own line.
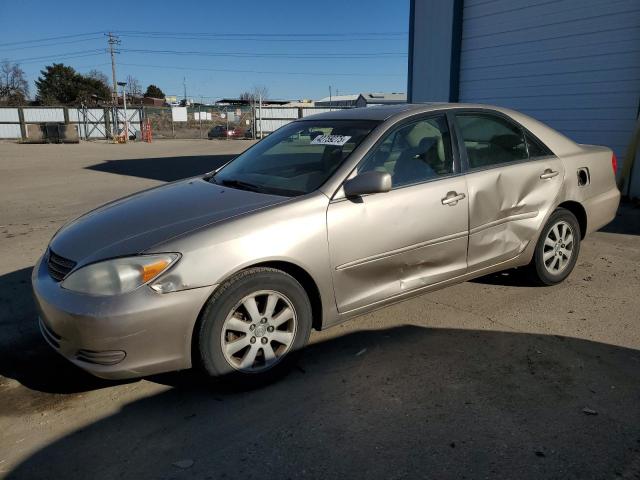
point(488, 379)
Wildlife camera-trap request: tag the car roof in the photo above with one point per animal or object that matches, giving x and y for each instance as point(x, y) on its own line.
point(385, 112)
point(559, 144)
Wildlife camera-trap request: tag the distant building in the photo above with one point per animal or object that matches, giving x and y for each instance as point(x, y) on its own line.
point(153, 102)
point(242, 101)
point(300, 103)
point(362, 100)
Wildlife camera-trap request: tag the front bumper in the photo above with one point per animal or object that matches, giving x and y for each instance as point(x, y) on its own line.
point(123, 336)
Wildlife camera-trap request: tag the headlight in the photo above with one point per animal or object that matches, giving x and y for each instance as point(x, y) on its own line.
point(120, 275)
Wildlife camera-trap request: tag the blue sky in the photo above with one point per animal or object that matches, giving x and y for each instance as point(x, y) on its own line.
point(294, 48)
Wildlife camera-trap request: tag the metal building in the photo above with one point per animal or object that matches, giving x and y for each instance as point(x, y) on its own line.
point(574, 64)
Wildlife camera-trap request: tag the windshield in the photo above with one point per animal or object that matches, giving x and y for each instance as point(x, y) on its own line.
point(297, 158)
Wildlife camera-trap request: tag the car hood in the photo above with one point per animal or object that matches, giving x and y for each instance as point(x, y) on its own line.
point(136, 223)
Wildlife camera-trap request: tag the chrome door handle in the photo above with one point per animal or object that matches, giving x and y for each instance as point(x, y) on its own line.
point(452, 198)
point(548, 173)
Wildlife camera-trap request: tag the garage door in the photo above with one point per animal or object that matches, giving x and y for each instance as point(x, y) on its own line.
point(574, 64)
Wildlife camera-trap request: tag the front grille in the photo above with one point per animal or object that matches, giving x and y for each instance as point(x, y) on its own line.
point(59, 266)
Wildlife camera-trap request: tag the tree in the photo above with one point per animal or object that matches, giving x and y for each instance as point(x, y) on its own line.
point(254, 96)
point(154, 92)
point(98, 75)
point(57, 85)
point(14, 88)
point(62, 85)
point(91, 90)
point(134, 89)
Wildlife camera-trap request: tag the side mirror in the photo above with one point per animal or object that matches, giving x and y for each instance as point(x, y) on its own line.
point(368, 182)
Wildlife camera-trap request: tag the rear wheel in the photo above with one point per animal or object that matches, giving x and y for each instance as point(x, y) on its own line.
point(557, 248)
point(253, 326)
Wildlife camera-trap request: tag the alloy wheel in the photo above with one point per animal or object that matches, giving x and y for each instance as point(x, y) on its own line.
point(259, 331)
point(558, 247)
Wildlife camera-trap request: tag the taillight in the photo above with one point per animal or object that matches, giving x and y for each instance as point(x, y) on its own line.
point(614, 163)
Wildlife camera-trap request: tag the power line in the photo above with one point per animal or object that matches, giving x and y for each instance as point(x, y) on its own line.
point(263, 40)
point(262, 35)
point(52, 44)
point(50, 38)
point(310, 56)
point(268, 72)
point(61, 56)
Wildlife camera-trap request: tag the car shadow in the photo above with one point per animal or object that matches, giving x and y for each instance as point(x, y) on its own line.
point(167, 169)
point(390, 403)
point(515, 277)
point(24, 355)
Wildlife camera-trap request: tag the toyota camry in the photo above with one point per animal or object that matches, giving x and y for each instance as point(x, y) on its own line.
point(327, 218)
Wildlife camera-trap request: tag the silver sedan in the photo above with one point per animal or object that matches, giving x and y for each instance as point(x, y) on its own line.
point(328, 218)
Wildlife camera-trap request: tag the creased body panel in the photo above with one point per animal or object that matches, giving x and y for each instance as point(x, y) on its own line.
point(507, 206)
point(386, 244)
point(600, 197)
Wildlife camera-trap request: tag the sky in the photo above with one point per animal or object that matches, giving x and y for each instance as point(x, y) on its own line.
point(296, 49)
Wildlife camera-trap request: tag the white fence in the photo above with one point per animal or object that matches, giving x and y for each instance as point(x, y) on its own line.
point(91, 123)
point(269, 119)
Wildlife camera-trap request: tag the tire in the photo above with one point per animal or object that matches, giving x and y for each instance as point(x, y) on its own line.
point(554, 257)
point(238, 311)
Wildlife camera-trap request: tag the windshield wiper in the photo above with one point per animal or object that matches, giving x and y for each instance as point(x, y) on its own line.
point(242, 185)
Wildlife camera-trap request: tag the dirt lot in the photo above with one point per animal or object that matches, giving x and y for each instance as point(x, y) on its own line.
point(489, 379)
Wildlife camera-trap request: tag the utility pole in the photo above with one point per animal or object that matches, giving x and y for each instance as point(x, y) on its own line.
point(184, 84)
point(260, 114)
point(330, 98)
point(113, 40)
point(126, 119)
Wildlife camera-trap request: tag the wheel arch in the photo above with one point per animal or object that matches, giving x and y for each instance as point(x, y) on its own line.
point(300, 274)
point(306, 280)
point(580, 213)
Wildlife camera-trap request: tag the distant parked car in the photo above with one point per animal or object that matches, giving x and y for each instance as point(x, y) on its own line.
point(220, 131)
point(231, 270)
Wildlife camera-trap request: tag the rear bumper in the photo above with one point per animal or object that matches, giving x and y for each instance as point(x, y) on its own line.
point(125, 336)
point(601, 209)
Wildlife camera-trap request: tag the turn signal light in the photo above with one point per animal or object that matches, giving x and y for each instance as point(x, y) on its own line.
point(153, 270)
point(614, 163)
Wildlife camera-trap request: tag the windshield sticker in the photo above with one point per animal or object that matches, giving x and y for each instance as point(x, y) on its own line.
point(337, 140)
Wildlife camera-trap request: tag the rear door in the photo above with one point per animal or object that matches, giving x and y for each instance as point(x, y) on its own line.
point(513, 181)
point(388, 244)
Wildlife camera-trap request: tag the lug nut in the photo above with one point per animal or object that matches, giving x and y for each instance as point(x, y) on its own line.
point(264, 340)
point(252, 327)
point(264, 320)
point(270, 329)
point(253, 340)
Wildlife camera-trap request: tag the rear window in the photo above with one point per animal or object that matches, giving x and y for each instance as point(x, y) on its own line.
point(491, 140)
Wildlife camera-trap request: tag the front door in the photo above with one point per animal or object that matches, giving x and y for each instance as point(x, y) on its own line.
point(513, 182)
point(388, 244)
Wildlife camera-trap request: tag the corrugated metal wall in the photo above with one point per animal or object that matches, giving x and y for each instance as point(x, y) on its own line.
point(93, 126)
point(8, 130)
point(574, 64)
point(9, 115)
point(41, 115)
point(275, 117)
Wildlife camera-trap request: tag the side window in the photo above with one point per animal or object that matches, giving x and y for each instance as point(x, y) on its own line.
point(536, 149)
point(413, 153)
point(491, 140)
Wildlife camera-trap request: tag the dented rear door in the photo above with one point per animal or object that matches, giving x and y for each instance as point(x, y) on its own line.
point(509, 201)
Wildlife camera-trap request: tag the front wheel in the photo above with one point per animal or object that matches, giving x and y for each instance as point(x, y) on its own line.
point(253, 325)
point(557, 248)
